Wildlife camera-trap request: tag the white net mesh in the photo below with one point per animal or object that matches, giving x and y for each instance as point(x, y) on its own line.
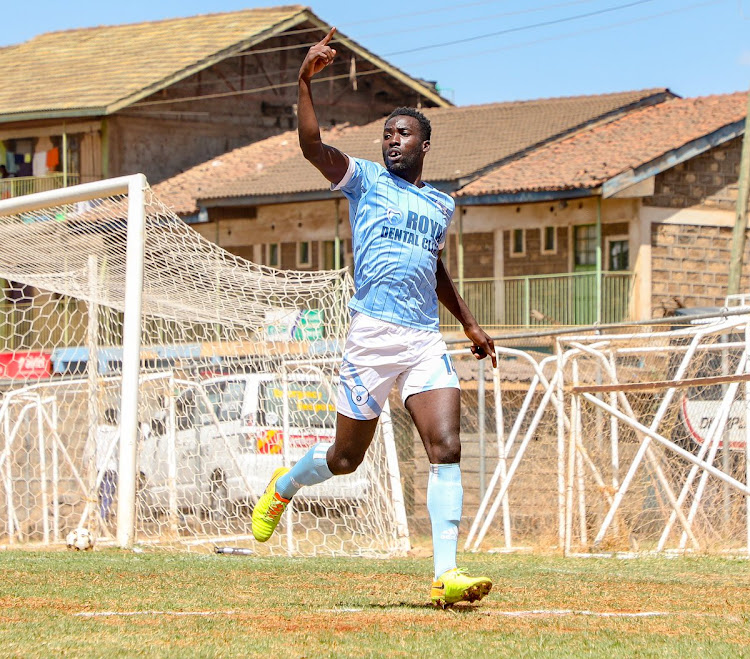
point(634, 442)
point(238, 374)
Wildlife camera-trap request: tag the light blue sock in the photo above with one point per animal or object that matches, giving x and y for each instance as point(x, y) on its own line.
point(445, 498)
point(310, 470)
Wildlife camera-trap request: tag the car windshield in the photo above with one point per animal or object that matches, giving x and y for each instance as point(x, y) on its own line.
point(310, 405)
point(226, 399)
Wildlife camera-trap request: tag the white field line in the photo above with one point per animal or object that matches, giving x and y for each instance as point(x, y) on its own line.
point(572, 612)
point(106, 614)
point(512, 614)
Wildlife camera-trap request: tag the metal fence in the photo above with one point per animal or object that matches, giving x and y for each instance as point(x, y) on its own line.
point(543, 300)
point(23, 185)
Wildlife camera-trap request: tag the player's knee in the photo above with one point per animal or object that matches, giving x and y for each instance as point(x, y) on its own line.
point(343, 464)
point(446, 451)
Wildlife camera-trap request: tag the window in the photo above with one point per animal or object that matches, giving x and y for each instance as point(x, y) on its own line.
point(585, 245)
point(226, 398)
point(618, 253)
point(518, 242)
point(303, 254)
point(272, 255)
point(549, 240)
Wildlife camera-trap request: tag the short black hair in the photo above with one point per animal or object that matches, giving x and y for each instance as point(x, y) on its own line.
point(424, 122)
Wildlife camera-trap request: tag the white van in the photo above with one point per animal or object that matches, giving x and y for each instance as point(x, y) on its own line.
point(229, 437)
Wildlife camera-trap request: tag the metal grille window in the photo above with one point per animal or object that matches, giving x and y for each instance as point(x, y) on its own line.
point(585, 245)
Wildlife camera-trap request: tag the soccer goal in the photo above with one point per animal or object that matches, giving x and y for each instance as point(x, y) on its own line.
point(649, 430)
point(152, 382)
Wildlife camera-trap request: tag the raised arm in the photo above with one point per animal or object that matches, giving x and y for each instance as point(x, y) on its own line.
point(451, 300)
point(331, 162)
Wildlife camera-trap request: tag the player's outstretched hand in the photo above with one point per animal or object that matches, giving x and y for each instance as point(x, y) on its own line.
point(318, 57)
point(483, 344)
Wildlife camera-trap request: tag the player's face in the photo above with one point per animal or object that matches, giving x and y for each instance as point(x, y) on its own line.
point(403, 146)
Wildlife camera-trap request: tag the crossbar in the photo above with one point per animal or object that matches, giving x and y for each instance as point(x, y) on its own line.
point(69, 195)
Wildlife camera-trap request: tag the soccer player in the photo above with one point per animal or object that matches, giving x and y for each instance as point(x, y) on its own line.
point(399, 224)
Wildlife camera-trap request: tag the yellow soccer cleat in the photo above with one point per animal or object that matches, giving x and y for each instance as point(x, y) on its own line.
point(268, 510)
point(457, 586)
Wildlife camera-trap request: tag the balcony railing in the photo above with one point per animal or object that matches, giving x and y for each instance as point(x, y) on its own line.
point(543, 300)
point(23, 185)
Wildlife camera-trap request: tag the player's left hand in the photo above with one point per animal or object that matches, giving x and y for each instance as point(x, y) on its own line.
point(483, 345)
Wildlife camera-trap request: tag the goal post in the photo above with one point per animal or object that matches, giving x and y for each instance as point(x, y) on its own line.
point(133, 186)
point(173, 377)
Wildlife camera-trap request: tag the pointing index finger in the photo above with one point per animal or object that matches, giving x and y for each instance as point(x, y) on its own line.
point(328, 37)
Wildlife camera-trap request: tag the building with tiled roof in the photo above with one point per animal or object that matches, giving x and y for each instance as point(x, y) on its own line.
point(633, 207)
point(653, 192)
point(163, 96)
point(615, 155)
point(465, 142)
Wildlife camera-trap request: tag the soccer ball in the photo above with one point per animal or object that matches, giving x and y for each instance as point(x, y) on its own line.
point(80, 539)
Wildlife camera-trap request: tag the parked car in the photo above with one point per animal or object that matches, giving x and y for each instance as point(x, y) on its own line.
point(229, 437)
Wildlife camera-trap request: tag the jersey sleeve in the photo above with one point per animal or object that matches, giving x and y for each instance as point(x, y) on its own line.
point(360, 175)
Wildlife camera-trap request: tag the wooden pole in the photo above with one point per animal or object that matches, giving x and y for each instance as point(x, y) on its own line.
point(740, 217)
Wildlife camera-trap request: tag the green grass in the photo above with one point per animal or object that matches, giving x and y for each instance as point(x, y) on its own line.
point(280, 607)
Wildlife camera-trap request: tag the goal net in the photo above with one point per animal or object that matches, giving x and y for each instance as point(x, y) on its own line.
point(152, 382)
point(645, 436)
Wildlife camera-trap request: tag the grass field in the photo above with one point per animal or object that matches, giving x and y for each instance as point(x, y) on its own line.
point(187, 605)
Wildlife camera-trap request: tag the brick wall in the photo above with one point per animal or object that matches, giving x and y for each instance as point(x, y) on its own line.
point(706, 181)
point(690, 263)
point(534, 262)
point(479, 255)
point(690, 266)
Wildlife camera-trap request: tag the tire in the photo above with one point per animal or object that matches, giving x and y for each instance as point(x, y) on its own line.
point(219, 506)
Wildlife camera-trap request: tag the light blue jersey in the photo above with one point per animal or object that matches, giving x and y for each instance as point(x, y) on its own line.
point(398, 230)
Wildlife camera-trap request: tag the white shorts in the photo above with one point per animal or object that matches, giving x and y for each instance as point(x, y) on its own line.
point(378, 354)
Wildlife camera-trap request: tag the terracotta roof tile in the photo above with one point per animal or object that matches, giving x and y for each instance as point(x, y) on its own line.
point(464, 140)
point(248, 162)
point(591, 157)
point(92, 68)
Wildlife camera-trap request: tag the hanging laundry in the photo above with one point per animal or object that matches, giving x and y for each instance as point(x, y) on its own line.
point(53, 158)
point(23, 168)
point(39, 164)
